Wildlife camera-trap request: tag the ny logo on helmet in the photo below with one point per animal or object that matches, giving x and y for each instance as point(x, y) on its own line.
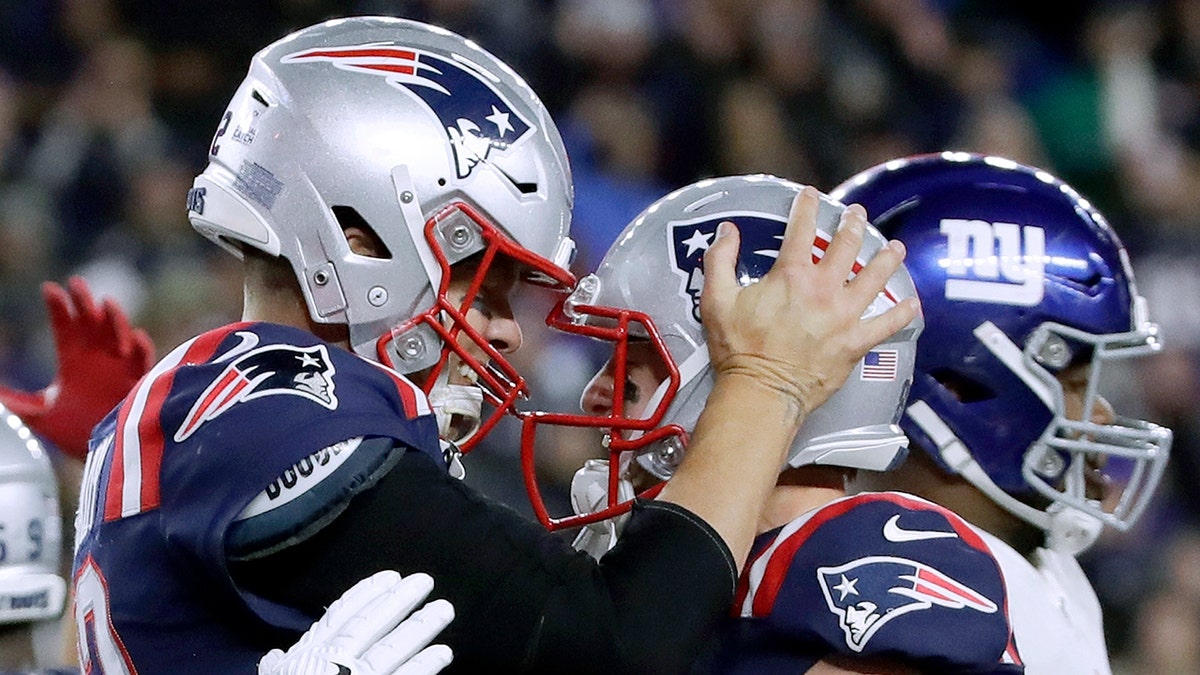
point(475, 116)
point(984, 262)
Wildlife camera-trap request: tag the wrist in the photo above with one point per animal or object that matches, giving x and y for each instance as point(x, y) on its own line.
point(762, 383)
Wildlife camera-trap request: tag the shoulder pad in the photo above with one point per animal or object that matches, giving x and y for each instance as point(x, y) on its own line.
point(881, 573)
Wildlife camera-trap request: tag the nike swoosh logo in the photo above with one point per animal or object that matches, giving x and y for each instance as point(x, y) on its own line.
point(342, 670)
point(248, 341)
point(894, 533)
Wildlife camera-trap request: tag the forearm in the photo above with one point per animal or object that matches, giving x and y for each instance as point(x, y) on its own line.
point(523, 599)
point(779, 347)
point(725, 480)
point(653, 604)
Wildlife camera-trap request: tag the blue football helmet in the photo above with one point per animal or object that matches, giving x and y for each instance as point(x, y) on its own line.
point(1019, 277)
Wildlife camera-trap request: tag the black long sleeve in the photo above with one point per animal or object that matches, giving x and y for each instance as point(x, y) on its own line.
point(524, 600)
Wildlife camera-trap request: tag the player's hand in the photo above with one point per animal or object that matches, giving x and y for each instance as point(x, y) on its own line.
point(368, 631)
point(100, 358)
point(799, 329)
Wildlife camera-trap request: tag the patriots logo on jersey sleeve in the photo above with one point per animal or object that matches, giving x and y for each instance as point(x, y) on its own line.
point(266, 371)
point(475, 116)
point(869, 592)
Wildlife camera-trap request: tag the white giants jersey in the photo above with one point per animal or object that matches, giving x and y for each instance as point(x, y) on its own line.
point(1055, 615)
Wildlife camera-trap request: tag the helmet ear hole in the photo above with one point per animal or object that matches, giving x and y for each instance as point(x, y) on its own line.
point(525, 188)
point(349, 218)
point(964, 388)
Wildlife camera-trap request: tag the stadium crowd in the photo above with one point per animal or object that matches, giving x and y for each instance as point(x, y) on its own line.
point(106, 107)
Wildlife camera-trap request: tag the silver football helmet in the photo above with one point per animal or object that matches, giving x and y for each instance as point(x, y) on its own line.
point(421, 136)
point(30, 527)
point(648, 288)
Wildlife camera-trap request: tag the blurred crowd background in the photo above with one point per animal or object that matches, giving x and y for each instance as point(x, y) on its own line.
point(107, 108)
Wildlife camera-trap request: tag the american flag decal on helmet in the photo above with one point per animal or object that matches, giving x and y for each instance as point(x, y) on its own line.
point(880, 365)
point(477, 119)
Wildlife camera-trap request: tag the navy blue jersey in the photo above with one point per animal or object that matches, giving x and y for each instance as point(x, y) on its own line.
point(247, 414)
point(881, 575)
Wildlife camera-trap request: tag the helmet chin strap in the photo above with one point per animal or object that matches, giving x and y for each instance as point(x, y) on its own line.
point(955, 455)
point(1071, 531)
point(1068, 530)
point(456, 403)
point(692, 367)
point(589, 493)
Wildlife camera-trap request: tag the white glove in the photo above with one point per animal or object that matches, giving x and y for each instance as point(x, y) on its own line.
point(369, 631)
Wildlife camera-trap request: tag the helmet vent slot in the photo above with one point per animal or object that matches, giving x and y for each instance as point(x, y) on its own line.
point(965, 389)
point(259, 97)
point(348, 216)
point(523, 188)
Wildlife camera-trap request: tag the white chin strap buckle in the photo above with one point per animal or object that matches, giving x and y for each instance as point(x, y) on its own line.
point(1072, 531)
point(589, 493)
point(457, 407)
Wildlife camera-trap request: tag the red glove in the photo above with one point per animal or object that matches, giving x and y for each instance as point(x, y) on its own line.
point(100, 359)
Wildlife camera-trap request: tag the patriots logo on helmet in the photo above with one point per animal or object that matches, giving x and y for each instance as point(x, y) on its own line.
point(869, 592)
point(475, 116)
point(761, 235)
point(267, 371)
